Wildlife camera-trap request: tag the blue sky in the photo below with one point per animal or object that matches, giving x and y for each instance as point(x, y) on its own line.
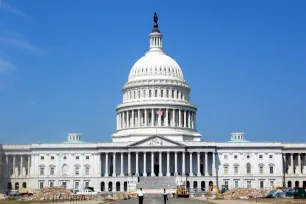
point(63, 64)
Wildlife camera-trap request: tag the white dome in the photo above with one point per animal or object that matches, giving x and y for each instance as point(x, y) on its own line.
point(156, 65)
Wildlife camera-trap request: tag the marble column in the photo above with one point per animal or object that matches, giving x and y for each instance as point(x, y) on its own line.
point(139, 118)
point(152, 118)
point(137, 172)
point(199, 171)
point(206, 163)
point(299, 164)
point(152, 164)
point(29, 165)
point(133, 119)
point(191, 170)
point(127, 119)
point(129, 163)
point(114, 165)
point(285, 163)
point(183, 163)
point(185, 119)
point(21, 166)
point(160, 164)
point(291, 166)
point(159, 119)
point(195, 121)
point(180, 118)
point(175, 165)
point(166, 118)
point(189, 119)
point(214, 164)
point(14, 165)
point(146, 118)
point(168, 164)
point(173, 118)
point(121, 173)
point(106, 165)
point(144, 164)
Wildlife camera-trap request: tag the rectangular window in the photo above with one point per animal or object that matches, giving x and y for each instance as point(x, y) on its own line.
point(271, 183)
point(225, 156)
point(236, 169)
point(42, 171)
point(76, 185)
point(77, 157)
point(42, 158)
point(271, 169)
point(87, 157)
point(86, 184)
point(52, 157)
point(52, 171)
point(64, 184)
point(77, 170)
point(261, 184)
point(260, 156)
point(236, 184)
point(41, 185)
point(225, 170)
point(87, 170)
point(51, 184)
point(249, 184)
point(235, 156)
point(261, 170)
point(271, 156)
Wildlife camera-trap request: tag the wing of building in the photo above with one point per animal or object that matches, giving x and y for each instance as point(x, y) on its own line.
point(155, 145)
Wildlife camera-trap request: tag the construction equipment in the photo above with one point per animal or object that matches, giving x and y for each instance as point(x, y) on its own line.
point(214, 189)
point(224, 188)
point(181, 191)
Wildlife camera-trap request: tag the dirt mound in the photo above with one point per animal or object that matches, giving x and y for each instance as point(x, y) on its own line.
point(244, 193)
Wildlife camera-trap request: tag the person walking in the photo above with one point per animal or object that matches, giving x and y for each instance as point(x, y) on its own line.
point(165, 195)
point(140, 195)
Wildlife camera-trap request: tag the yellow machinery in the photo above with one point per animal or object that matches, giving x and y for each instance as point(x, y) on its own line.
point(181, 191)
point(214, 189)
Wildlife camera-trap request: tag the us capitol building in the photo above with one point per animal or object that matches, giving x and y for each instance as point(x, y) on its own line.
point(155, 145)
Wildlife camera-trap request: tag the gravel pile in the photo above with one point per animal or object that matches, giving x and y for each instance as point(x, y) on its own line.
point(51, 193)
point(244, 193)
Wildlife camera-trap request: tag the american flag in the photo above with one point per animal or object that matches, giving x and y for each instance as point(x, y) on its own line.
point(160, 112)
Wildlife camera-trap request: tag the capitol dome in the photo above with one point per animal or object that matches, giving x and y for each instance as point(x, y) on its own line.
point(156, 65)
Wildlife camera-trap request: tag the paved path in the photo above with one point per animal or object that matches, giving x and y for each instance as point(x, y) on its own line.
point(159, 200)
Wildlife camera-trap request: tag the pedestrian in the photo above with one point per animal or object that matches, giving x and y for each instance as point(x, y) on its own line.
point(165, 195)
point(140, 195)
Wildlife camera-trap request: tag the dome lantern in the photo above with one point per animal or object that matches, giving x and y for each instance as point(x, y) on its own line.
point(156, 36)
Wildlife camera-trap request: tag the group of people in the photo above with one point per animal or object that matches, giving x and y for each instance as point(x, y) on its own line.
point(141, 195)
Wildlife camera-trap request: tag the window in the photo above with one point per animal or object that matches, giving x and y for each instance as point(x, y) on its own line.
point(42, 171)
point(261, 169)
point(236, 169)
point(249, 184)
point(162, 93)
point(248, 156)
point(87, 170)
point(52, 157)
point(236, 184)
point(225, 156)
point(155, 93)
point(150, 93)
point(51, 184)
point(77, 170)
point(261, 184)
point(52, 171)
point(248, 167)
point(77, 157)
point(226, 170)
point(64, 169)
point(41, 184)
point(64, 184)
point(87, 157)
point(271, 169)
point(42, 158)
point(65, 157)
point(260, 156)
point(76, 185)
point(235, 156)
point(271, 156)
point(167, 94)
point(86, 184)
point(271, 183)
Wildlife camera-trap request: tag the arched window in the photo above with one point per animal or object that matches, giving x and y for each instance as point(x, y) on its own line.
point(161, 93)
point(134, 95)
point(144, 93)
point(64, 169)
point(248, 168)
point(87, 169)
point(150, 93)
point(167, 93)
point(155, 93)
point(172, 95)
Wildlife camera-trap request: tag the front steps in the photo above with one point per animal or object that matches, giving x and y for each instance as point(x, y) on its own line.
point(157, 182)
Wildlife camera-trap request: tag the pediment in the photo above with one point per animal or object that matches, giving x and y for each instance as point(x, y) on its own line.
point(156, 141)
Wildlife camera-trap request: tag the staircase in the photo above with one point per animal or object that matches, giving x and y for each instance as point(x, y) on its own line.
point(157, 182)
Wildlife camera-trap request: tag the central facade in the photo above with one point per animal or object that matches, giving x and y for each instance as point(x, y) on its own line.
point(155, 145)
point(156, 99)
